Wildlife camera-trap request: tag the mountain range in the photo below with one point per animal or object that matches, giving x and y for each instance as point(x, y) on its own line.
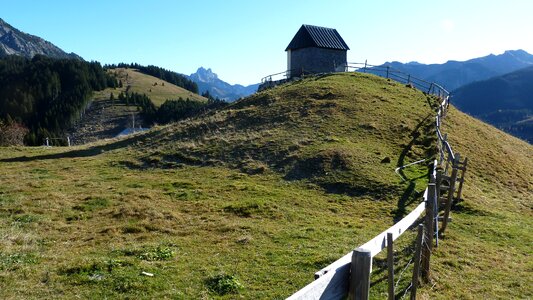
point(504, 101)
point(209, 81)
point(454, 74)
point(16, 42)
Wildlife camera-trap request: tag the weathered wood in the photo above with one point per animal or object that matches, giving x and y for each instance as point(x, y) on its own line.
point(360, 274)
point(450, 219)
point(379, 242)
point(451, 192)
point(332, 285)
point(438, 182)
point(429, 228)
point(462, 178)
point(390, 265)
point(416, 268)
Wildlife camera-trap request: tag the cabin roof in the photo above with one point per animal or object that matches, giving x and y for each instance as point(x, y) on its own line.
point(316, 36)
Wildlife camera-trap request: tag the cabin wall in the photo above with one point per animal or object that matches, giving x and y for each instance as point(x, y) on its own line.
point(315, 60)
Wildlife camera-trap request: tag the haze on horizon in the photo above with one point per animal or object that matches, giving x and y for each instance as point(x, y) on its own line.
point(242, 41)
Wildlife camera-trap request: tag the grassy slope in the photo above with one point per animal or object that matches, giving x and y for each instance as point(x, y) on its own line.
point(487, 251)
point(144, 84)
point(270, 189)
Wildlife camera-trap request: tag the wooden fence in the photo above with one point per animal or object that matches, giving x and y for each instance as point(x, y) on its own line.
point(48, 141)
point(350, 275)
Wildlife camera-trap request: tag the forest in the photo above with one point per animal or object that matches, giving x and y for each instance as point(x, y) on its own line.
point(45, 96)
point(171, 110)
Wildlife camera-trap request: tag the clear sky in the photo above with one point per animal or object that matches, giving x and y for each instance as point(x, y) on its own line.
point(244, 40)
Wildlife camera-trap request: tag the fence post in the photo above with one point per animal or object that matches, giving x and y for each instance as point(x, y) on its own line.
point(462, 179)
point(47, 143)
point(68, 141)
point(364, 69)
point(444, 142)
point(388, 71)
point(408, 78)
point(430, 217)
point(416, 268)
point(438, 179)
point(390, 264)
point(430, 87)
point(360, 274)
point(451, 191)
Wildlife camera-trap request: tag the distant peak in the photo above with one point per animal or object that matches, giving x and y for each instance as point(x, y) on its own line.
point(519, 53)
point(16, 42)
point(515, 51)
point(202, 69)
point(204, 74)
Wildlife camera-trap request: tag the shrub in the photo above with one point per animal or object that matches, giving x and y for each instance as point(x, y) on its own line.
point(223, 284)
point(12, 134)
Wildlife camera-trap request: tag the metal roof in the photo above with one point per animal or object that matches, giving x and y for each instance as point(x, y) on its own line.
point(316, 36)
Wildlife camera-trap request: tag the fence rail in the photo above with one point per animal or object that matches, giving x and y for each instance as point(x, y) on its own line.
point(383, 71)
point(350, 275)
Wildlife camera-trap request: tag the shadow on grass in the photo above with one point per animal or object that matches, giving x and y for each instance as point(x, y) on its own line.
point(92, 151)
point(415, 134)
point(410, 194)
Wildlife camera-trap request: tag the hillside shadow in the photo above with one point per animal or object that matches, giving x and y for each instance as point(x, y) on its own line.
point(92, 151)
point(410, 194)
point(415, 134)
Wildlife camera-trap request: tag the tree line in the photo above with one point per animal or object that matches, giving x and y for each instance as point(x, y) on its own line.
point(170, 110)
point(46, 95)
point(161, 73)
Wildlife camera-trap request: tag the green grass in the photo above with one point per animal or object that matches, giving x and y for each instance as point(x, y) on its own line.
point(249, 201)
point(157, 89)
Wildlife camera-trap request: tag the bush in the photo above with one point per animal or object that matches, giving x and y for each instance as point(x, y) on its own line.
point(12, 134)
point(223, 284)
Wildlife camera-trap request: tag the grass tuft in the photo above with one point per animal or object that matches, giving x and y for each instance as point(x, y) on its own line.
point(223, 284)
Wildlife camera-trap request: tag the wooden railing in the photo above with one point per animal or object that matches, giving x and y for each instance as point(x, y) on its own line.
point(350, 275)
point(402, 77)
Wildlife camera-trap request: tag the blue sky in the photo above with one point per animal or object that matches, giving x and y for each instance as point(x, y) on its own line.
point(242, 41)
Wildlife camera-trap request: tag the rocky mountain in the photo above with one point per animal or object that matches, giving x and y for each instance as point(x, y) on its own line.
point(209, 81)
point(503, 101)
point(454, 74)
point(16, 42)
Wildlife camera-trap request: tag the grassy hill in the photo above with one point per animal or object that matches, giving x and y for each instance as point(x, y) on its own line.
point(260, 195)
point(158, 90)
